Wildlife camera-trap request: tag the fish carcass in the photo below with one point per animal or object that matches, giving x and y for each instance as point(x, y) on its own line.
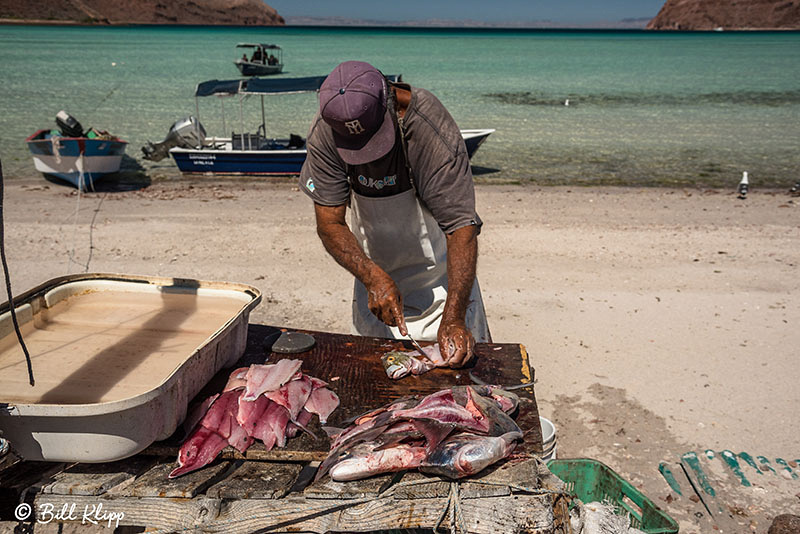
point(398, 364)
point(454, 432)
point(270, 403)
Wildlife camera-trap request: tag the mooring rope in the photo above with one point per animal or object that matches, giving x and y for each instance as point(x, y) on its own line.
point(8, 284)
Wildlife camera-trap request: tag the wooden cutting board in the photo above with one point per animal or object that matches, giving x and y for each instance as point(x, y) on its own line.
point(352, 367)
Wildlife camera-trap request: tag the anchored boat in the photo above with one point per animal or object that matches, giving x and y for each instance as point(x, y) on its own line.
point(78, 157)
point(250, 153)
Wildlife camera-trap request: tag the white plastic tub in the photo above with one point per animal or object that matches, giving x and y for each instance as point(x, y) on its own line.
point(116, 360)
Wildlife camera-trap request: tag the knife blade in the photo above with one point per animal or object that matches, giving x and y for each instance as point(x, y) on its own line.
point(416, 345)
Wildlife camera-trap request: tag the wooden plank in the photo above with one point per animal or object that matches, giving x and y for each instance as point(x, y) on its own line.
point(522, 513)
point(256, 480)
point(25, 477)
point(153, 512)
point(95, 479)
point(358, 489)
point(155, 483)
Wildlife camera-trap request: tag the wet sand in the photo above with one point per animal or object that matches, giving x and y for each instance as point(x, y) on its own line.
point(659, 321)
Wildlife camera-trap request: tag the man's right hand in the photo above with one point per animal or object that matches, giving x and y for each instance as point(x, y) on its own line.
point(384, 299)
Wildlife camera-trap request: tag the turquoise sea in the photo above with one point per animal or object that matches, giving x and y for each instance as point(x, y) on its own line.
point(644, 108)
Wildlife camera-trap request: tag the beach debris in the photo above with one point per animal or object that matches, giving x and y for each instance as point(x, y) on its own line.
point(455, 432)
point(600, 518)
point(398, 364)
point(744, 186)
point(269, 403)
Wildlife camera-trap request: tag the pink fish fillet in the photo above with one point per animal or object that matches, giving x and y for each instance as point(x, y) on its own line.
point(263, 378)
point(198, 450)
point(277, 417)
point(197, 413)
point(222, 419)
point(322, 402)
point(263, 431)
point(237, 379)
point(292, 395)
point(250, 412)
point(303, 418)
point(317, 383)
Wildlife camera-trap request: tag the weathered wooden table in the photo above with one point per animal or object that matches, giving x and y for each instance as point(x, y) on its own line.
point(271, 491)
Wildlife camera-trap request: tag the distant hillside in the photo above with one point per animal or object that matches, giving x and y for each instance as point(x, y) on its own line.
point(212, 12)
point(728, 15)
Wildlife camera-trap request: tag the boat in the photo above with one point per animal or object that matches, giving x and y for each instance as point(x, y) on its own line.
point(72, 155)
point(251, 153)
point(263, 61)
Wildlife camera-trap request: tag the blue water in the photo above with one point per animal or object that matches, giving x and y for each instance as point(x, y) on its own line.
point(645, 108)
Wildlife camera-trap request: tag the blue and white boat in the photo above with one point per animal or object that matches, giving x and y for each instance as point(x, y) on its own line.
point(250, 153)
point(74, 156)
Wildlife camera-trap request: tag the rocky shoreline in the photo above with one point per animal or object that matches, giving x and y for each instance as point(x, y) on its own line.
point(177, 12)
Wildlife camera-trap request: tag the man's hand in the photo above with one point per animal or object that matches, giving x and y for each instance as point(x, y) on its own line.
point(384, 299)
point(456, 343)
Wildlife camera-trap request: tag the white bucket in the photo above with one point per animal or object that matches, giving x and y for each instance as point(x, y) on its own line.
point(548, 439)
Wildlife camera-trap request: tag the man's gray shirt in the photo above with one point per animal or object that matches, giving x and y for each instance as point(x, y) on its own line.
point(437, 157)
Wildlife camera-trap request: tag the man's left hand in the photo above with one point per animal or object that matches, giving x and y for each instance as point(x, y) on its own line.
point(456, 342)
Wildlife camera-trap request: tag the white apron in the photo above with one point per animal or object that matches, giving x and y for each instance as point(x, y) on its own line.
point(400, 235)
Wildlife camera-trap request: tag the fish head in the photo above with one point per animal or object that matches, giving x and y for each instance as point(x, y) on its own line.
point(472, 454)
point(396, 364)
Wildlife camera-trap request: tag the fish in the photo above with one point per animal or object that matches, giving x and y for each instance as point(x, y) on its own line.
point(270, 403)
point(369, 462)
point(433, 427)
point(465, 454)
point(398, 364)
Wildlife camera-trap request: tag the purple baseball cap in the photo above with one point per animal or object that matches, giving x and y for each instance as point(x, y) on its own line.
point(352, 100)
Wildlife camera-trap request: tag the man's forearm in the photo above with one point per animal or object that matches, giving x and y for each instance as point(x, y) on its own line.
point(341, 244)
point(384, 299)
point(462, 257)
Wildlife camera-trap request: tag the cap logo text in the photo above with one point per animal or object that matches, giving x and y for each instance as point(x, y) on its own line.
point(354, 127)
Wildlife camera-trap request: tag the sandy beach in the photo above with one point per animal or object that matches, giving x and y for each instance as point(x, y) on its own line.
point(658, 321)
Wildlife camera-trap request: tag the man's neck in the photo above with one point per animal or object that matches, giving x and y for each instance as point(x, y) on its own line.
point(402, 98)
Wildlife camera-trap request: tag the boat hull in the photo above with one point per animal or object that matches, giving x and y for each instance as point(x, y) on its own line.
point(269, 162)
point(219, 161)
point(257, 69)
point(81, 161)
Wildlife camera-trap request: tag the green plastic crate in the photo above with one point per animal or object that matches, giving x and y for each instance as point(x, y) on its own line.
point(593, 481)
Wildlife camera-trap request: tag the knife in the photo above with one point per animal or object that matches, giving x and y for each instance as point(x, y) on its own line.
point(416, 345)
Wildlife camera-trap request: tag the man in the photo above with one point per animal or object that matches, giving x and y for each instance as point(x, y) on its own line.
point(395, 155)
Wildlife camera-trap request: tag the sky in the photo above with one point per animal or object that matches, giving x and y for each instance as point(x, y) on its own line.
point(490, 11)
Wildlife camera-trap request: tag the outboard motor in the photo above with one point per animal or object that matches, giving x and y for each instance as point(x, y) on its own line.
point(185, 133)
point(68, 125)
